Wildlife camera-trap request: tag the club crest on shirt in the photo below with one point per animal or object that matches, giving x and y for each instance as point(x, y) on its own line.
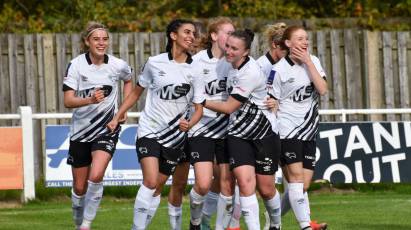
point(161, 73)
point(84, 78)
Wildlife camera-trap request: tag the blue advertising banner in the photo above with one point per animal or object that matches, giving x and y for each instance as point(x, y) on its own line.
point(369, 152)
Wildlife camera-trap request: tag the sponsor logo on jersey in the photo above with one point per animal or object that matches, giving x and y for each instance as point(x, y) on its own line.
point(172, 92)
point(206, 71)
point(303, 93)
point(84, 78)
point(215, 87)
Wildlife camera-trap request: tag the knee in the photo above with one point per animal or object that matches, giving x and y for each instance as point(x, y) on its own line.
point(150, 183)
point(80, 189)
point(202, 188)
point(96, 178)
point(266, 192)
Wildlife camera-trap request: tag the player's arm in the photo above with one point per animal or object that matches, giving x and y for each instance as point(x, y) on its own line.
point(128, 86)
point(130, 100)
point(186, 125)
point(72, 101)
point(228, 107)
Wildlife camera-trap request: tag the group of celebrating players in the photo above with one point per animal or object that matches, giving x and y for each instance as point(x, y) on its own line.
point(233, 118)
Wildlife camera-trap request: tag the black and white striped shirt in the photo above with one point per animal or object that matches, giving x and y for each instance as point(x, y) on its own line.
point(82, 76)
point(252, 120)
point(171, 89)
point(298, 99)
point(213, 72)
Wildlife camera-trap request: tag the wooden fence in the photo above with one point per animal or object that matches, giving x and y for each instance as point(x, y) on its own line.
point(364, 69)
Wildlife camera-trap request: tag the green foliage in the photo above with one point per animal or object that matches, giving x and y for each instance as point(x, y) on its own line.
point(152, 15)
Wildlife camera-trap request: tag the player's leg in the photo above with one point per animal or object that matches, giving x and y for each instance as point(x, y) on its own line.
point(242, 160)
point(94, 194)
point(309, 149)
point(79, 157)
point(267, 157)
point(148, 152)
point(210, 203)
point(201, 151)
point(227, 182)
point(292, 153)
point(175, 196)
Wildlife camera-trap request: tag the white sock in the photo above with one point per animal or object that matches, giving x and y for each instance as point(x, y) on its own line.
point(142, 205)
point(308, 203)
point(175, 214)
point(77, 204)
point(298, 204)
point(285, 202)
point(210, 203)
point(236, 215)
point(93, 198)
point(273, 207)
point(155, 202)
point(196, 206)
point(224, 211)
point(250, 212)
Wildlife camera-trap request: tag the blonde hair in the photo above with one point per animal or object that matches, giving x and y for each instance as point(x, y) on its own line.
point(274, 33)
point(91, 27)
point(213, 27)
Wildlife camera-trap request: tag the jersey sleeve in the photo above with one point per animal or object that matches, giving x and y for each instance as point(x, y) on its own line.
point(199, 89)
point(276, 85)
point(243, 86)
point(71, 77)
point(145, 79)
point(318, 66)
point(125, 71)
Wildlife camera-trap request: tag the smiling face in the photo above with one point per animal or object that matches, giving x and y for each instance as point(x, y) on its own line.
point(184, 37)
point(298, 39)
point(235, 51)
point(98, 42)
point(223, 32)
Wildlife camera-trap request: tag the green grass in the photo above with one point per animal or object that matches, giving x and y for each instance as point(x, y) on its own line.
point(373, 209)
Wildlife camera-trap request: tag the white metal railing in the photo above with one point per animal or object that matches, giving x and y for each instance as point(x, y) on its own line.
point(26, 117)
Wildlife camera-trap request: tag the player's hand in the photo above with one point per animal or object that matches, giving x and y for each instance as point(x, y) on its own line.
point(184, 125)
point(301, 54)
point(123, 119)
point(271, 104)
point(112, 125)
point(98, 96)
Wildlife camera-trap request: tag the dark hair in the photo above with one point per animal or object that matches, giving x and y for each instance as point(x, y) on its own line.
point(173, 26)
point(287, 35)
point(88, 30)
point(246, 35)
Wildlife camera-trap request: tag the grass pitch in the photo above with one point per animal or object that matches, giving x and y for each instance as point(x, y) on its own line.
point(374, 210)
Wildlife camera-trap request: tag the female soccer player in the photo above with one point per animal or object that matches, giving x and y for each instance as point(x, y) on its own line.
point(164, 120)
point(298, 81)
point(91, 88)
point(252, 140)
point(273, 34)
point(206, 138)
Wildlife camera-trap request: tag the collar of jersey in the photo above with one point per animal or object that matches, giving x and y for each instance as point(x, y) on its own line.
point(268, 55)
point(188, 59)
point(89, 59)
point(244, 62)
point(288, 59)
point(209, 53)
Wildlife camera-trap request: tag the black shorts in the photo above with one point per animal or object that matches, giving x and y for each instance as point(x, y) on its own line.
point(203, 149)
point(293, 150)
point(79, 154)
point(263, 154)
point(168, 157)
